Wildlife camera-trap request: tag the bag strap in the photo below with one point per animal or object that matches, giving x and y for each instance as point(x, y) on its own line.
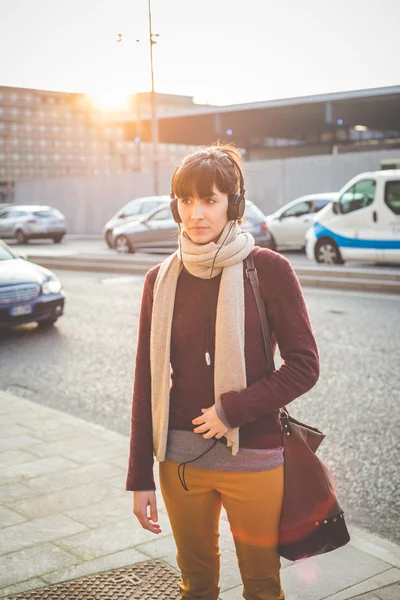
point(252, 274)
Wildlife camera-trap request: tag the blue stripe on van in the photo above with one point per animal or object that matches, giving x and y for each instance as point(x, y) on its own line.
point(346, 242)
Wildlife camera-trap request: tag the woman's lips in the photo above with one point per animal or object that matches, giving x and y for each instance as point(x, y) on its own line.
point(198, 228)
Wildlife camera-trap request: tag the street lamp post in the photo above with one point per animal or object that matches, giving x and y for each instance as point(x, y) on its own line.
point(154, 121)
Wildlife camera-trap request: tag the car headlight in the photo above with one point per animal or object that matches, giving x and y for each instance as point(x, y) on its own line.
point(51, 286)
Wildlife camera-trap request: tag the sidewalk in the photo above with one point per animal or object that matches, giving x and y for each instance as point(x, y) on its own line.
point(64, 514)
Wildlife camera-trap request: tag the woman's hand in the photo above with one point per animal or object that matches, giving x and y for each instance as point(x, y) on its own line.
point(141, 501)
point(209, 424)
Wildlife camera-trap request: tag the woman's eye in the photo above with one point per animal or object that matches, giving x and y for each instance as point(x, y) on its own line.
point(210, 201)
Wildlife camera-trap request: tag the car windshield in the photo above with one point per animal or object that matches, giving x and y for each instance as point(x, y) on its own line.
point(5, 254)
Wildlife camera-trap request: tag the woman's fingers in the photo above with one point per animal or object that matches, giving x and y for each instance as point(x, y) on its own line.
point(153, 509)
point(201, 428)
point(142, 502)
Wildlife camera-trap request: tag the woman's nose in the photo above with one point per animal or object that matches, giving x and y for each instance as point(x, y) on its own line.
point(197, 212)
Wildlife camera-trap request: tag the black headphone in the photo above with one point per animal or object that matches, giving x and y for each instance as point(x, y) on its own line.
point(237, 202)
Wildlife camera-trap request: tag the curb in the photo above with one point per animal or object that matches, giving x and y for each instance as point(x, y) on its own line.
point(383, 281)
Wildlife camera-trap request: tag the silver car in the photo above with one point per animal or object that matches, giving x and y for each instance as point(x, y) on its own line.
point(158, 231)
point(24, 223)
point(133, 211)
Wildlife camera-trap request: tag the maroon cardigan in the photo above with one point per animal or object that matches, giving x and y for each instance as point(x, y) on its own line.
point(254, 408)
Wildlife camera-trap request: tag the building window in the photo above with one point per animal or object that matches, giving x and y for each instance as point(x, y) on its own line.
point(42, 128)
point(56, 157)
point(15, 156)
point(28, 127)
point(30, 157)
point(28, 98)
point(29, 142)
point(2, 157)
point(43, 143)
point(43, 157)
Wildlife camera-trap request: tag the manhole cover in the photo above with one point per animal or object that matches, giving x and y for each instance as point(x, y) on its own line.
point(145, 581)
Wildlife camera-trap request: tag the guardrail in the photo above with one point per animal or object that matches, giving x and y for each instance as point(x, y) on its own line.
point(334, 277)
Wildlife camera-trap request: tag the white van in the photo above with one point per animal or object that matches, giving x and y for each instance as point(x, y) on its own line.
point(363, 224)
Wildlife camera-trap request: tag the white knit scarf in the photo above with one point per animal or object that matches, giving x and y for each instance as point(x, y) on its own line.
point(229, 361)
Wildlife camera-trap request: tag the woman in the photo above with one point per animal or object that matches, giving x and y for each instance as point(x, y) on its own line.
point(202, 403)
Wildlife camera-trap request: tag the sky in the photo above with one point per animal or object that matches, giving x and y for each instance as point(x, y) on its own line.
point(218, 51)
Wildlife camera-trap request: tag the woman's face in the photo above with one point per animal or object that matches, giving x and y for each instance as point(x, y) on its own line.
point(204, 218)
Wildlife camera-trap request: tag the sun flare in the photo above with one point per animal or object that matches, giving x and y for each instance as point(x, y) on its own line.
point(110, 99)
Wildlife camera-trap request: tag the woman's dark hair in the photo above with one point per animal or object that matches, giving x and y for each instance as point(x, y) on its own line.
point(199, 171)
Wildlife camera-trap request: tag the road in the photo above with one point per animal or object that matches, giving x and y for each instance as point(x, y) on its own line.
point(84, 366)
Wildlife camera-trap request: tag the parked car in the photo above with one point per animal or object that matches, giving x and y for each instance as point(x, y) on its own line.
point(28, 292)
point(255, 222)
point(362, 225)
point(289, 224)
point(24, 223)
point(133, 211)
point(157, 232)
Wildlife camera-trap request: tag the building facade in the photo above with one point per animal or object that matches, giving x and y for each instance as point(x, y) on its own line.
point(47, 135)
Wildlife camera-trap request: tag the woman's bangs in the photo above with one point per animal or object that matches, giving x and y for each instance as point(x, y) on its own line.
point(196, 179)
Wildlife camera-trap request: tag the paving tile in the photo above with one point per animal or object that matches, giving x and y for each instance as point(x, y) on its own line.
point(33, 562)
point(317, 577)
point(57, 431)
point(229, 574)
point(9, 517)
point(119, 481)
point(35, 468)
point(236, 593)
point(375, 545)
point(9, 403)
point(72, 477)
point(10, 492)
point(112, 538)
point(66, 446)
point(13, 429)
point(65, 500)
point(117, 506)
point(19, 588)
point(159, 547)
point(38, 531)
point(14, 457)
point(17, 441)
point(105, 563)
point(106, 452)
point(373, 583)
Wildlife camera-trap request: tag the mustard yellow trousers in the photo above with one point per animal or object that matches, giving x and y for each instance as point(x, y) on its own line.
point(252, 502)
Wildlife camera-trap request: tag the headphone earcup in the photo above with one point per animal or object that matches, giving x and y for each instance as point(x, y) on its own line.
point(236, 207)
point(174, 210)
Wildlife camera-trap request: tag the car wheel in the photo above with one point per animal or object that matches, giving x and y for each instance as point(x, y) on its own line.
point(57, 239)
point(108, 238)
point(46, 323)
point(327, 252)
point(272, 243)
point(122, 245)
point(21, 237)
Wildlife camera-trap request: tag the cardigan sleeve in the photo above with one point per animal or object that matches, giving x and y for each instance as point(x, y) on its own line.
point(290, 326)
point(140, 467)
